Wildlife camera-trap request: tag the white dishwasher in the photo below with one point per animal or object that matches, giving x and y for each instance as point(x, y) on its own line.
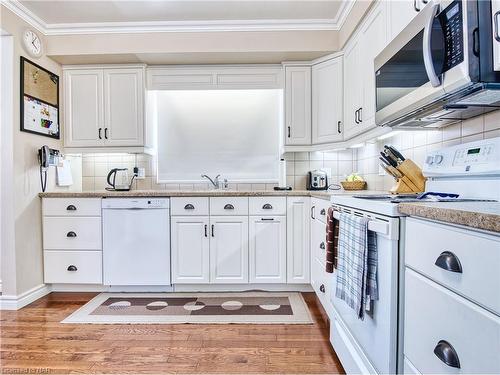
point(136, 241)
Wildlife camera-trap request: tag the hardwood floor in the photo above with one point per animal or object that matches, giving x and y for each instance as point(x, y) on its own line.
point(33, 341)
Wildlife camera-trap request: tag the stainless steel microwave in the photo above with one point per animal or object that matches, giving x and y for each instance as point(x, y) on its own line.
point(442, 68)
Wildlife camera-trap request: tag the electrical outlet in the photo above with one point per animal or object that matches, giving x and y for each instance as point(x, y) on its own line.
point(141, 173)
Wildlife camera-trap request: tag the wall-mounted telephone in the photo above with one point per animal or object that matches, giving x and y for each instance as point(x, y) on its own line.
point(46, 158)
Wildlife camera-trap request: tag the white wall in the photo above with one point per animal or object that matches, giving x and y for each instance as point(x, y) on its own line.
point(25, 179)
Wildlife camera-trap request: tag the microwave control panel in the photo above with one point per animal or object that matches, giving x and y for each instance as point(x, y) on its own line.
point(451, 20)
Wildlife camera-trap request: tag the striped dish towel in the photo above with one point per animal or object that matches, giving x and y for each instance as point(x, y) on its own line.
point(357, 264)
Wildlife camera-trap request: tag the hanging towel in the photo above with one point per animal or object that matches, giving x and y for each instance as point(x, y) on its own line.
point(357, 264)
point(64, 176)
point(332, 241)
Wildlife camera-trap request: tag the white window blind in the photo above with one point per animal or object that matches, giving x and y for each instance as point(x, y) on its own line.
point(235, 133)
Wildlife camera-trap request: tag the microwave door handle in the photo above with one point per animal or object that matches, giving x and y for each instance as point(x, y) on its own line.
point(427, 48)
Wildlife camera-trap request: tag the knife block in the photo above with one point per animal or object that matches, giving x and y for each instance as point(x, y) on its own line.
point(411, 181)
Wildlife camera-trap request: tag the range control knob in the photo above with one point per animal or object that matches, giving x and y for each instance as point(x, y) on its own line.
point(438, 159)
point(429, 160)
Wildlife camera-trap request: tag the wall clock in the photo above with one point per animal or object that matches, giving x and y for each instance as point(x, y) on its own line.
point(32, 43)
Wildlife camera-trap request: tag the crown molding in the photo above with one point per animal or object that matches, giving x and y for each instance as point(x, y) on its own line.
point(179, 26)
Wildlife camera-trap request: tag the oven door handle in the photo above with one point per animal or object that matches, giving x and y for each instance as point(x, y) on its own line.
point(427, 47)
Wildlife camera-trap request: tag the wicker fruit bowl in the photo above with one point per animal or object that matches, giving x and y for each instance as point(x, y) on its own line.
point(353, 185)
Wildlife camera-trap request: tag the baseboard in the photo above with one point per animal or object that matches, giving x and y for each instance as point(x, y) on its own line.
point(183, 288)
point(17, 302)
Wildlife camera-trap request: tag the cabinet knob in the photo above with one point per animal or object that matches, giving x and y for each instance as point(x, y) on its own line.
point(267, 206)
point(322, 288)
point(71, 208)
point(449, 262)
point(322, 212)
point(229, 207)
point(189, 207)
point(72, 268)
point(322, 246)
point(71, 234)
point(447, 354)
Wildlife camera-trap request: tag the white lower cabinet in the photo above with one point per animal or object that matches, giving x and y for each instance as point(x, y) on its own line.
point(190, 249)
point(298, 240)
point(72, 267)
point(267, 249)
point(229, 249)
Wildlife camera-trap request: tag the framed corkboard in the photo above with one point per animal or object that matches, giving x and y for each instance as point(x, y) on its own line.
point(39, 100)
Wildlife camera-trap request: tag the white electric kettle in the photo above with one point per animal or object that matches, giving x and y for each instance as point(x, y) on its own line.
point(118, 180)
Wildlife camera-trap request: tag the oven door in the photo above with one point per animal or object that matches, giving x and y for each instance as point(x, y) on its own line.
point(371, 344)
point(424, 63)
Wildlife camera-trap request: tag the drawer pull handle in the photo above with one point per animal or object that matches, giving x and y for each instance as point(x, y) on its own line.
point(71, 234)
point(72, 268)
point(267, 206)
point(449, 262)
point(322, 288)
point(322, 212)
point(189, 207)
point(71, 208)
point(229, 207)
point(267, 219)
point(322, 246)
point(447, 354)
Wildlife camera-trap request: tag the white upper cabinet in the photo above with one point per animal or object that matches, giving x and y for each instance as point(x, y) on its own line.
point(104, 107)
point(401, 12)
point(327, 103)
point(267, 249)
point(123, 107)
point(83, 110)
point(298, 240)
point(360, 71)
point(229, 249)
point(297, 105)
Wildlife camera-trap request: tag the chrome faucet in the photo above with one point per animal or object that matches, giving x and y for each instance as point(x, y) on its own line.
point(215, 181)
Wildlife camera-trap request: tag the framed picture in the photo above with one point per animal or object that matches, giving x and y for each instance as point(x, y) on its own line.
point(39, 100)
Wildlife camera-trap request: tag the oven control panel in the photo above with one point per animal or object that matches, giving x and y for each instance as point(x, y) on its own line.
point(480, 157)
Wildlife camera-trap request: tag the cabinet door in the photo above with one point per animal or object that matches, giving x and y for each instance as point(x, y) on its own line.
point(83, 108)
point(190, 250)
point(327, 93)
point(297, 105)
point(298, 240)
point(124, 106)
point(229, 249)
point(352, 88)
point(267, 249)
point(401, 12)
point(373, 37)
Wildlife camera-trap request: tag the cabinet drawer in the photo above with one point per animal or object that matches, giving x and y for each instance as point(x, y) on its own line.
point(72, 233)
point(434, 313)
point(319, 208)
point(267, 205)
point(322, 285)
point(189, 206)
point(477, 254)
point(71, 206)
point(73, 267)
point(233, 206)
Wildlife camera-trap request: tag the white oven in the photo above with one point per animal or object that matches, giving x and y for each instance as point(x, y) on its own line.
point(370, 345)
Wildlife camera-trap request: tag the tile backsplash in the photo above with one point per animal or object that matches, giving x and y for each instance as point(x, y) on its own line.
point(416, 144)
point(413, 144)
point(95, 168)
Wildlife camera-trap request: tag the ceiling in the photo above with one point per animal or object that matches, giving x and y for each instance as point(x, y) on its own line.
point(76, 16)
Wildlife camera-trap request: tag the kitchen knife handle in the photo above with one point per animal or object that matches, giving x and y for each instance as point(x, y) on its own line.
point(449, 262)
point(447, 354)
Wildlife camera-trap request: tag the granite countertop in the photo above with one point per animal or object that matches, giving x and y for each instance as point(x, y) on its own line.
point(479, 215)
point(192, 193)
